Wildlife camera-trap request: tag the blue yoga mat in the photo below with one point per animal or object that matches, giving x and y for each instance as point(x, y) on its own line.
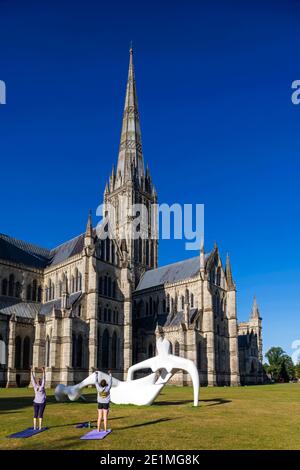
point(26, 433)
point(92, 435)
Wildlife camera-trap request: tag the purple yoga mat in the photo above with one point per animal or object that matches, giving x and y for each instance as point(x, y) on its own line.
point(92, 435)
point(26, 433)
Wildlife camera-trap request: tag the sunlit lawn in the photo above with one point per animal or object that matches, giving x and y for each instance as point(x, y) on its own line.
point(260, 417)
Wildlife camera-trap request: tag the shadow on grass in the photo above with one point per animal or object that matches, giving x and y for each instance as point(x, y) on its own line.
point(216, 401)
point(147, 423)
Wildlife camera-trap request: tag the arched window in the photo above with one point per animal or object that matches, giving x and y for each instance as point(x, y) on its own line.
point(4, 287)
point(105, 285)
point(18, 344)
point(192, 300)
point(114, 289)
point(182, 302)
point(11, 285)
point(171, 348)
point(26, 353)
point(168, 303)
point(147, 252)
point(79, 350)
point(140, 242)
point(18, 289)
point(39, 295)
point(114, 351)
point(99, 350)
point(199, 355)
point(100, 285)
point(72, 284)
point(74, 347)
point(28, 292)
point(253, 367)
point(105, 345)
point(113, 253)
point(107, 250)
point(109, 315)
point(219, 276)
point(177, 349)
point(109, 287)
point(99, 312)
point(79, 281)
point(150, 350)
point(105, 314)
point(48, 351)
point(34, 290)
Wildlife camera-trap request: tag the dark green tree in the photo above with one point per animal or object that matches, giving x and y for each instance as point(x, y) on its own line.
point(281, 367)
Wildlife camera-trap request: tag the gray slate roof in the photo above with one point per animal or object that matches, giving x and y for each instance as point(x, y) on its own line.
point(10, 306)
point(21, 252)
point(171, 273)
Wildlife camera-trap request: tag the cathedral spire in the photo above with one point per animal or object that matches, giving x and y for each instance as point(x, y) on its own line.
point(130, 150)
point(89, 225)
point(230, 281)
point(255, 311)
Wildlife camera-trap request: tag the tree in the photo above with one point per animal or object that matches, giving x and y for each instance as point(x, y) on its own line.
point(297, 370)
point(281, 366)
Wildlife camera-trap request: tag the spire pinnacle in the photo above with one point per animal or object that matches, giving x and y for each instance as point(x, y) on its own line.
point(228, 273)
point(130, 150)
point(89, 225)
point(255, 311)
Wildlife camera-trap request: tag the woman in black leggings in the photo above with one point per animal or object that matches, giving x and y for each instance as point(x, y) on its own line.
point(39, 402)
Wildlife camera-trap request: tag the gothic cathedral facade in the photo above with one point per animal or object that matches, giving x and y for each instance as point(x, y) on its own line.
point(101, 303)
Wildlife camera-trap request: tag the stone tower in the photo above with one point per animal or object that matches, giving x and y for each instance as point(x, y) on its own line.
point(134, 229)
point(255, 325)
point(232, 325)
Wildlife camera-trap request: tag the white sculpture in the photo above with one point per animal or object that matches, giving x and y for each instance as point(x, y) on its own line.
point(140, 391)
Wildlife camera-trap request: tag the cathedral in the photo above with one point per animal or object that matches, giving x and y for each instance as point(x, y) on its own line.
point(96, 302)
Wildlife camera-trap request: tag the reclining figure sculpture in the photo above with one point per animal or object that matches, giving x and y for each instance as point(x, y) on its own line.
point(140, 391)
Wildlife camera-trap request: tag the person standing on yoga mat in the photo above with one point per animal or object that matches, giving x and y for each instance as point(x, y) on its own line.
point(103, 400)
point(39, 402)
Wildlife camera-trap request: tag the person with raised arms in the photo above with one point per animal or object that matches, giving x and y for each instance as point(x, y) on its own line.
point(39, 402)
point(103, 399)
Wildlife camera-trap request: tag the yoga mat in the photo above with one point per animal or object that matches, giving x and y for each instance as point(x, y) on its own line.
point(26, 433)
point(92, 435)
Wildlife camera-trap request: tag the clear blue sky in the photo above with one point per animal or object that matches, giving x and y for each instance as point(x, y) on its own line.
point(218, 126)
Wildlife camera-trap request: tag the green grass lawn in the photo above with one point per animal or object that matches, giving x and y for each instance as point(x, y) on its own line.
point(257, 417)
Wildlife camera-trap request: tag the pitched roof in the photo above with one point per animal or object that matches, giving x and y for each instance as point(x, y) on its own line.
point(9, 306)
point(174, 272)
point(21, 252)
point(16, 307)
